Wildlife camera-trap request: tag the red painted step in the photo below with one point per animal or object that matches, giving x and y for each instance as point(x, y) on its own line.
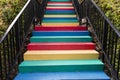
point(61, 46)
point(77, 28)
point(59, 8)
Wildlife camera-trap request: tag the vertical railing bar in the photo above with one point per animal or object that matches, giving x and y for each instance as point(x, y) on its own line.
point(115, 51)
point(11, 49)
point(1, 62)
point(111, 50)
point(4, 56)
point(8, 53)
point(105, 35)
point(118, 68)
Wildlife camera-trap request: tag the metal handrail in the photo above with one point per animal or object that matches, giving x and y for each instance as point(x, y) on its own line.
point(13, 42)
point(14, 21)
point(106, 18)
point(105, 33)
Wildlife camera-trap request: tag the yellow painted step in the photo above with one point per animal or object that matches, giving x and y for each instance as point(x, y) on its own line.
point(61, 55)
point(60, 24)
point(60, 16)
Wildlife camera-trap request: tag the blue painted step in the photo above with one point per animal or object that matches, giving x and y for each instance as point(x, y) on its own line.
point(63, 76)
point(60, 12)
point(60, 33)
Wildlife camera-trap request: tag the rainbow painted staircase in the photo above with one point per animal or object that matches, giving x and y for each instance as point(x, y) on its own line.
point(60, 49)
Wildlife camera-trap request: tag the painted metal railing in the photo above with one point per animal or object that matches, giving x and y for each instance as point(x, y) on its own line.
point(106, 35)
point(13, 42)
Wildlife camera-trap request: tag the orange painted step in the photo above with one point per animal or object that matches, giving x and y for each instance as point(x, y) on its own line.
point(61, 46)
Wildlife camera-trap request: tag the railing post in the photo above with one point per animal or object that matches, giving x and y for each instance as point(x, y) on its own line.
point(118, 68)
point(105, 35)
point(1, 62)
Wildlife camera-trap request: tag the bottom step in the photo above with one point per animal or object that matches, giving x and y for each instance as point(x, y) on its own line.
point(63, 76)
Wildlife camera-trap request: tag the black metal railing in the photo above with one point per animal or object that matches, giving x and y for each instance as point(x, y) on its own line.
point(107, 35)
point(13, 42)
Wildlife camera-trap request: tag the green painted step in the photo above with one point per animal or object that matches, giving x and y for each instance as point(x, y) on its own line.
point(60, 66)
point(61, 39)
point(59, 21)
point(59, 5)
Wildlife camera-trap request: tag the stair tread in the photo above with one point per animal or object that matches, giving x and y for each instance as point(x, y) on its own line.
point(44, 63)
point(63, 43)
point(60, 24)
point(61, 37)
point(60, 54)
point(63, 75)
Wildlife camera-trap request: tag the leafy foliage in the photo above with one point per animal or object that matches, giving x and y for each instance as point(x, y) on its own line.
point(112, 10)
point(8, 11)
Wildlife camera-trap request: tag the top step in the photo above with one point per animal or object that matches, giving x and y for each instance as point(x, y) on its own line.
point(59, 0)
point(70, 28)
point(59, 3)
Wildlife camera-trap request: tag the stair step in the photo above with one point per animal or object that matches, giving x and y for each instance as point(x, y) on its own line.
point(59, 8)
point(61, 46)
point(70, 28)
point(67, 24)
point(61, 55)
point(63, 76)
point(60, 20)
point(59, 0)
point(60, 12)
point(60, 33)
point(60, 66)
point(61, 39)
point(51, 19)
point(59, 16)
point(59, 3)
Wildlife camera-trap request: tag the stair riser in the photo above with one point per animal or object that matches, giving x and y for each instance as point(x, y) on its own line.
point(38, 33)
point(61, 68)
point(60, 56)
point(77, 28)
point(60, 16)
point(59, 0)
point(60, 39)
point(61, 47)
point(59, 8)
point(60, 19)
point(59, 12)
point(60, 24)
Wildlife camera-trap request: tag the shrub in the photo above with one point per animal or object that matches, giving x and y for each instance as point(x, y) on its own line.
point(112, 10)
point(8, 11)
